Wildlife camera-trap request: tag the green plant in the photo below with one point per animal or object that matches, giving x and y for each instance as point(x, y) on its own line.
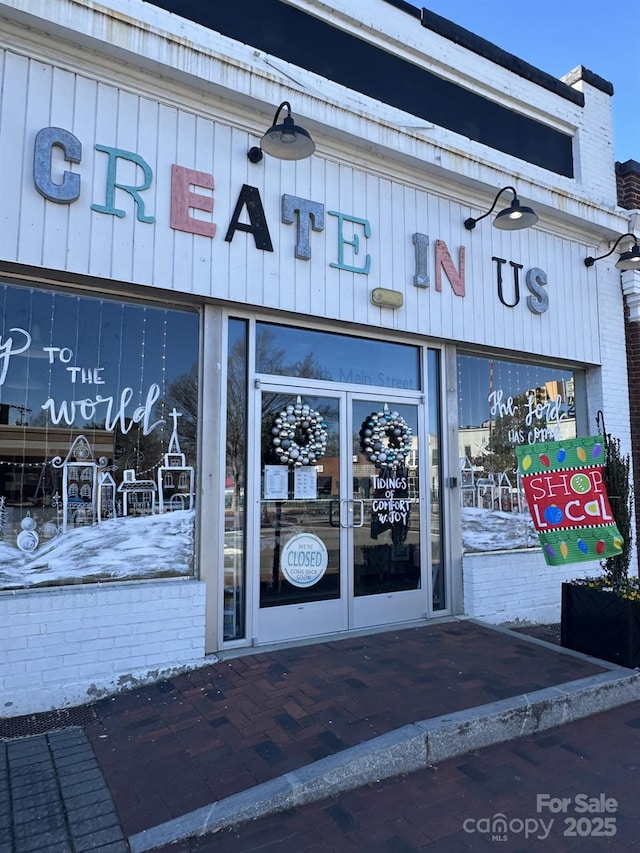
point(617, 479)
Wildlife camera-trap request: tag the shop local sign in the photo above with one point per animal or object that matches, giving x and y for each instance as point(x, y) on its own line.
point(304, 560)
point(564, 486)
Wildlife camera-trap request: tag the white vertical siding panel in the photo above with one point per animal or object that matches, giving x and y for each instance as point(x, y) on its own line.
point(582, 301)
point(383, 221)
point(476, 284)
point(347, 204)
point(396, 274)
point(56, 237)
point(14, 75)
point(548, 256)
point(517, 328)
point(128, 138)
point(32, 209)
point(331, 276)
point(496, 244)
point(156, 198)
point(102, 225)
point(423, 295)
point(411, 293)
point(282, 271)
point(183, 241)
point(168, 271)
point(221, 281)
point(390, 247)
point(451, 305)
point(229, 173)
point(202, 246)
point(83, 126)
point(244, 259)
point(278, 288)
point(318, 264)
point(301, 271)
point(76, 238)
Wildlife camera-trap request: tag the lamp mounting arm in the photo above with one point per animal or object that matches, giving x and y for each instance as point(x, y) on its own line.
point(590, 261)
point(470, 223)
point(279, 110)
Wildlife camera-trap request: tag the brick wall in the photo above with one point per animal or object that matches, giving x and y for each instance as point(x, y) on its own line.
point(632, 334)
point(497, 592)
point(67, 646)
point(628, 184)
point(628, 188)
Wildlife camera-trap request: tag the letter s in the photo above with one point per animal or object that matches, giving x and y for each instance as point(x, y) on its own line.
point(536, 280)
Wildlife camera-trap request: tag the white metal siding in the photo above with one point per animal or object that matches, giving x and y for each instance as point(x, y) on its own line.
point(74, 238)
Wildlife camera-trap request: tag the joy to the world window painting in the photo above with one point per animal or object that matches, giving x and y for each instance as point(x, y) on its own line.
point(98, 436)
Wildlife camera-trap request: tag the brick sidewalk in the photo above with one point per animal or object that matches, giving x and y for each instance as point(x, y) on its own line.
point(176, 746)
point(429, 810)
point(171, 748)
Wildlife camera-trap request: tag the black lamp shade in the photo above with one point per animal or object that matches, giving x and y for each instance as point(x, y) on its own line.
point(287, 141)
point(512, 218)
point(515, 217)
point(629, 260)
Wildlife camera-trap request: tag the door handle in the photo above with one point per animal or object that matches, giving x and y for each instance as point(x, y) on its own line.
point(350, 516)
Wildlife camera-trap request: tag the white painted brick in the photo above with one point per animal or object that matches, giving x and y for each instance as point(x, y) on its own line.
point(58, 647)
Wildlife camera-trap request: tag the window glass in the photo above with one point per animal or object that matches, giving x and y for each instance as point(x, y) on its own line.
point(235, 483)
point(435, 478)
point(503, 404)
point(98, 436)
point(310, 354)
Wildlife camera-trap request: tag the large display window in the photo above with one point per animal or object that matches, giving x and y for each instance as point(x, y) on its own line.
point(98, 437)
point(501, 405)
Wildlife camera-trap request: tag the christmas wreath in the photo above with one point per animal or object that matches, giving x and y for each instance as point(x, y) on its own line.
point(385, 438)
point(299, 435)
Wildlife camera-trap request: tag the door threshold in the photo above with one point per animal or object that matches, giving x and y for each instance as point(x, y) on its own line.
point(241, 651)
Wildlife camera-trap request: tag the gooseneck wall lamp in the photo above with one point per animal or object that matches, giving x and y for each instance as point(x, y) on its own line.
point(286, 141)
point(629, 260)
point(512, 218)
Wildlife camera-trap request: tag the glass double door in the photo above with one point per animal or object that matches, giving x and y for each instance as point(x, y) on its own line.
point(342, 538)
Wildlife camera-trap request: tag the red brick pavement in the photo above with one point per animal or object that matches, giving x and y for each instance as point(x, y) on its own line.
point(429, 810)
point(181, 744)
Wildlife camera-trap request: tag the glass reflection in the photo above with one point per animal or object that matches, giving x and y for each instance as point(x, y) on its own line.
point(296, 500)
point(98, 422)
point(435, 479)
point(235, 483)
point(311, 354)
point(387, 533)
point(503, 404)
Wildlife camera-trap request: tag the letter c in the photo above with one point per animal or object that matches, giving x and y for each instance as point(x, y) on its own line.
point(46, 139)
point(568, 513)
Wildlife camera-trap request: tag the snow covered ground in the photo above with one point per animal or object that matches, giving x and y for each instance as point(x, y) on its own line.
point(119, 549)
point(163, 546)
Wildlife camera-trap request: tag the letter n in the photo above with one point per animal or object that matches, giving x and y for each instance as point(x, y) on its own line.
point(444, 262)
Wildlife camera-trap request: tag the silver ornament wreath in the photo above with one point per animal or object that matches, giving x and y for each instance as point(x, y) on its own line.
point(385, 438)
point(299, 435)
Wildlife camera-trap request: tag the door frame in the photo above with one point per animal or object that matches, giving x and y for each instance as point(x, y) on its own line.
point(348, 613)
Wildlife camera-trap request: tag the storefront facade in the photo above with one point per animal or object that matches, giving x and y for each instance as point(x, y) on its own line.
point(251, 400)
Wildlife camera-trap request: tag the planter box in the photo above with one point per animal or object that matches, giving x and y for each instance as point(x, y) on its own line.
point(600, 624)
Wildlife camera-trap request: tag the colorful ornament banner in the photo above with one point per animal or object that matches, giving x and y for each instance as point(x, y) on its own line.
point(564, 486)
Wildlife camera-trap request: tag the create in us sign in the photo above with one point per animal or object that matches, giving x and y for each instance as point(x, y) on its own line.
point(564, 486)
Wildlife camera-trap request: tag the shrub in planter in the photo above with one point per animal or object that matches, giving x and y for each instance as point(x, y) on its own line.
point(601, 615)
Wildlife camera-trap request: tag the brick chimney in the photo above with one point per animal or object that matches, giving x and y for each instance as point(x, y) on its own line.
point(628, 184)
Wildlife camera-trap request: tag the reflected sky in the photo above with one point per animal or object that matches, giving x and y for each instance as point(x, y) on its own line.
point(87, 348)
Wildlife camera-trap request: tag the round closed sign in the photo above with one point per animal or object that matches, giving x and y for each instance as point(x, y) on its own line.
point(304, 559)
